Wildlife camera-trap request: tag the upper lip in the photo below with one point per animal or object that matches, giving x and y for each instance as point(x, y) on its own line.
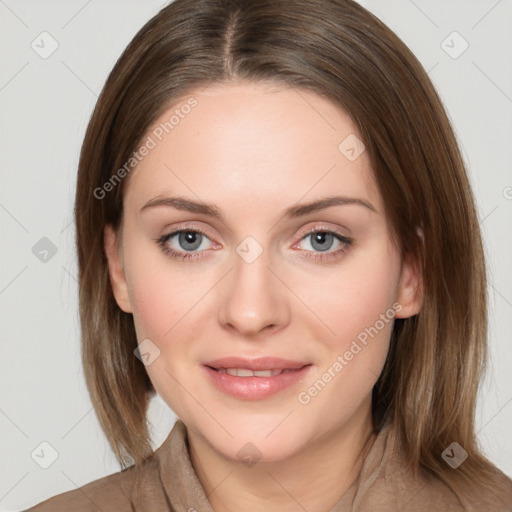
point(260, 363)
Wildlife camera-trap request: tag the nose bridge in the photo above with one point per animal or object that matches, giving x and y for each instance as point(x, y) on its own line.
point(252, 299)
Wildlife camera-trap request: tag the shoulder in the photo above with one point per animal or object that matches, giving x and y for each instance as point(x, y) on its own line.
point(398, 489)
point(426, 491)
point(138, 487)
point(392, 485)
point(108, 494)
point(478, 498)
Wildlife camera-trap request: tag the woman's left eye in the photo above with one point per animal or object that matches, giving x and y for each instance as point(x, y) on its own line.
point(322, 240)
point(192, 239)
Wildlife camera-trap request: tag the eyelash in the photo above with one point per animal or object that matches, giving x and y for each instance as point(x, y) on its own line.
point(317, 256)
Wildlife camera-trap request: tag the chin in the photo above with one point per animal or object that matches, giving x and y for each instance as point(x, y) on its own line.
point(258, 450)
point(267, 439)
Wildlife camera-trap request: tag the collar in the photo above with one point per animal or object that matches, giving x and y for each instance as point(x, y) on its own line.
point(185, 492)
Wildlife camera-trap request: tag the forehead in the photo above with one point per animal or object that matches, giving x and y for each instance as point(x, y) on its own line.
point(246, 141)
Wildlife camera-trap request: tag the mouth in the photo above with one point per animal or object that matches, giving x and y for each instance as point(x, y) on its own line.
point(255, 364)
point(246, 372)
point(254, 379)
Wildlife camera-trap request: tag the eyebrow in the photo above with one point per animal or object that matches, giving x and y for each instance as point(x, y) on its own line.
point(181, 203)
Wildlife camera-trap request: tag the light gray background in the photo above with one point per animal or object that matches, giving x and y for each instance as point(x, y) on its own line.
point(45, 106)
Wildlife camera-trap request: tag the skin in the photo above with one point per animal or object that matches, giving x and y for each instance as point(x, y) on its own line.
point(270, 147)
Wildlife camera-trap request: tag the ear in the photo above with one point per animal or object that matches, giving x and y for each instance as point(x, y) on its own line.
point(410, 287)
point(111, 242)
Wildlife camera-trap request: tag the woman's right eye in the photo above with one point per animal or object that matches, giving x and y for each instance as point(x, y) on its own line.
point(187, 240)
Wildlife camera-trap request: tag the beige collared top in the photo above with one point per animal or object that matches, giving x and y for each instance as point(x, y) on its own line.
point(168, 483)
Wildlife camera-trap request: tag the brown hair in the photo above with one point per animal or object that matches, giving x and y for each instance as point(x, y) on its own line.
point(337, 49)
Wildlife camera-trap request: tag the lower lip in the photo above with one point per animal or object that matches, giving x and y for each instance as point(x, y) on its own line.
point(255, 388)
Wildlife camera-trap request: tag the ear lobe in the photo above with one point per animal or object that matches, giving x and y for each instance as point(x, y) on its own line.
point(410, 287)
point(116, 269)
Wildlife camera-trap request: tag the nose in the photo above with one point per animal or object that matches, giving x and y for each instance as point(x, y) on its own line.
point(252, 299)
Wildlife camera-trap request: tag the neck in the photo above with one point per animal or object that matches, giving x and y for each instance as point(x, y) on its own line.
point(315, 478)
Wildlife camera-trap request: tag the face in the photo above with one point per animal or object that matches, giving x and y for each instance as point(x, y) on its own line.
point(314, 288)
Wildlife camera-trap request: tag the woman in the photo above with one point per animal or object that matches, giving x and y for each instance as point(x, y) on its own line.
point(323, 337)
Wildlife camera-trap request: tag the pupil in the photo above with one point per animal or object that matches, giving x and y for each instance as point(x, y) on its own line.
point(190, 240)
point(323, 242)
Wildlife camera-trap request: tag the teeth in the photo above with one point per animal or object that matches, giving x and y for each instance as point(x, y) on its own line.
point(244, 372)
point(265, 373)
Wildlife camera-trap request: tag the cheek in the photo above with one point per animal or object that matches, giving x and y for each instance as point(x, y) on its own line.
point(162, 293)
point(358, 306)
point(163, 301)
point(352, 298)
point(168, 305)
